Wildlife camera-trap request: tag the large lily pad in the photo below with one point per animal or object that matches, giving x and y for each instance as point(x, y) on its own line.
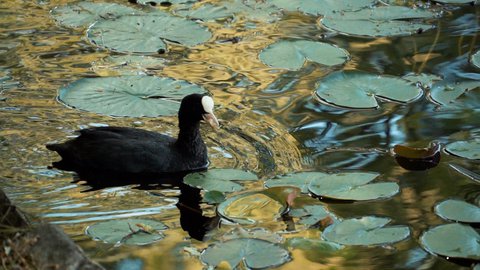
point(475, 59)
point(466, 149)
point(448, 94)
point(293, 54)
point(254, 253)
point(379, 22)
point(223, 180)
point(360, 90)
point(365, 231)
point(146, 34)
point(458, 210)
point(323, 7)
point(127, 231)
point(128, 96)
point(453, 240)
point(85, 13)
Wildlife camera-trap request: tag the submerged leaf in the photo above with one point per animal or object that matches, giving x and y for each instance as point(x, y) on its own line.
point(365, 231)
point(358, 90)
point(254, 253)
point(453, 240)
point(128, 96)
point(293, 54)
point(223, 180)
point(146, 34)
point(127, 231)
point(458, 210)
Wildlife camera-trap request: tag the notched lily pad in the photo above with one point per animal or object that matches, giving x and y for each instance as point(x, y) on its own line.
point(253, 253)
point(449, 94)
point(383, 21)
point(358, 90)
point(417, 159)
point(147, 33)
point(83, 14)
point(128, 96)
point(127, 231)
point(365, 231)
point(452, 240)
point(293, 54)
point(466, 149)
point(458, 210)
point(223, 180)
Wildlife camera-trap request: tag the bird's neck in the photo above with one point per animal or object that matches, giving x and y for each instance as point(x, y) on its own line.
point(190, 140)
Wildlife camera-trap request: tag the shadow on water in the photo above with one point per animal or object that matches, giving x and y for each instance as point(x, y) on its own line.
point(192, 219)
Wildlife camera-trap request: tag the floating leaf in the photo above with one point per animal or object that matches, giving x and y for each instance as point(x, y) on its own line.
point(353, 186)
point(381, 21)
point(456, 1)
point(222, 180)
point(301, 180)
point(254, 10)
point(447, 94)
point(365, 231)
point(145, 34)
point(360, 90)
point(323, 7)
point(313, 244)
point(85, 13)
point(452, 240)
point(417, 159)
point(127, 231)
point(127, 65)
point(425, 80)
point(311, 214)
point(163, 2)
point(475, 59)
point(465, 149)
point(213, 197)
point(128, 96)
point(293, 54)
point(253, 252)
point(458, 210)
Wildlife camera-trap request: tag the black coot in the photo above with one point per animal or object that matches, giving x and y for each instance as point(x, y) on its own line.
point(123, 151)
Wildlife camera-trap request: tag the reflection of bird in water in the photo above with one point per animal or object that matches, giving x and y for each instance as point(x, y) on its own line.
point(116, 156)
point(122, 150)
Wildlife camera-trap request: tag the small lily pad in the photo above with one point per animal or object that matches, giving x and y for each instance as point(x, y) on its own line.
point(453, 240)
point(323, 7)
point(311, 214)
point(293, 54)
point(146, 34)
point(425, 80)
point(365, 231)
point(213, 197)
point(447, 94)
point(459, 211)
point(127, 231)
point(128, 96)
point(466, 149)
point(127, 65)
point(83, 14)
point(301, 180)
point(383, 21)
point(254, 253)
point(475, 59)
point(358, 90)
point(223, 180)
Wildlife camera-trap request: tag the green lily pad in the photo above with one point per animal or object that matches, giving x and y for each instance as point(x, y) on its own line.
point(128, 96)
point(360, 90)
point(365, 231)
point(459, 211)
point(475, 59)
point(465, 149)
point(256, 207)
point(127, 231)
point(223, 180)
point(213, 197)
point(313, 244)
point(146, 34)
point(127, 64)
point(301, 180)
point(293, 54)
point(447, 94)
point(83, 14)
point(452, 240)
point(262, 11)
point(456, 1)
point(254, 253)
point(311, 214)
point(384, 21)
point(425, 80)
point(323, 7)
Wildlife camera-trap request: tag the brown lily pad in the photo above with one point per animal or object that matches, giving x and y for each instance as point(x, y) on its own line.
point(417, 159)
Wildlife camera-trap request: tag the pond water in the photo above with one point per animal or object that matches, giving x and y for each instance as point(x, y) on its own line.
point(271, 124)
